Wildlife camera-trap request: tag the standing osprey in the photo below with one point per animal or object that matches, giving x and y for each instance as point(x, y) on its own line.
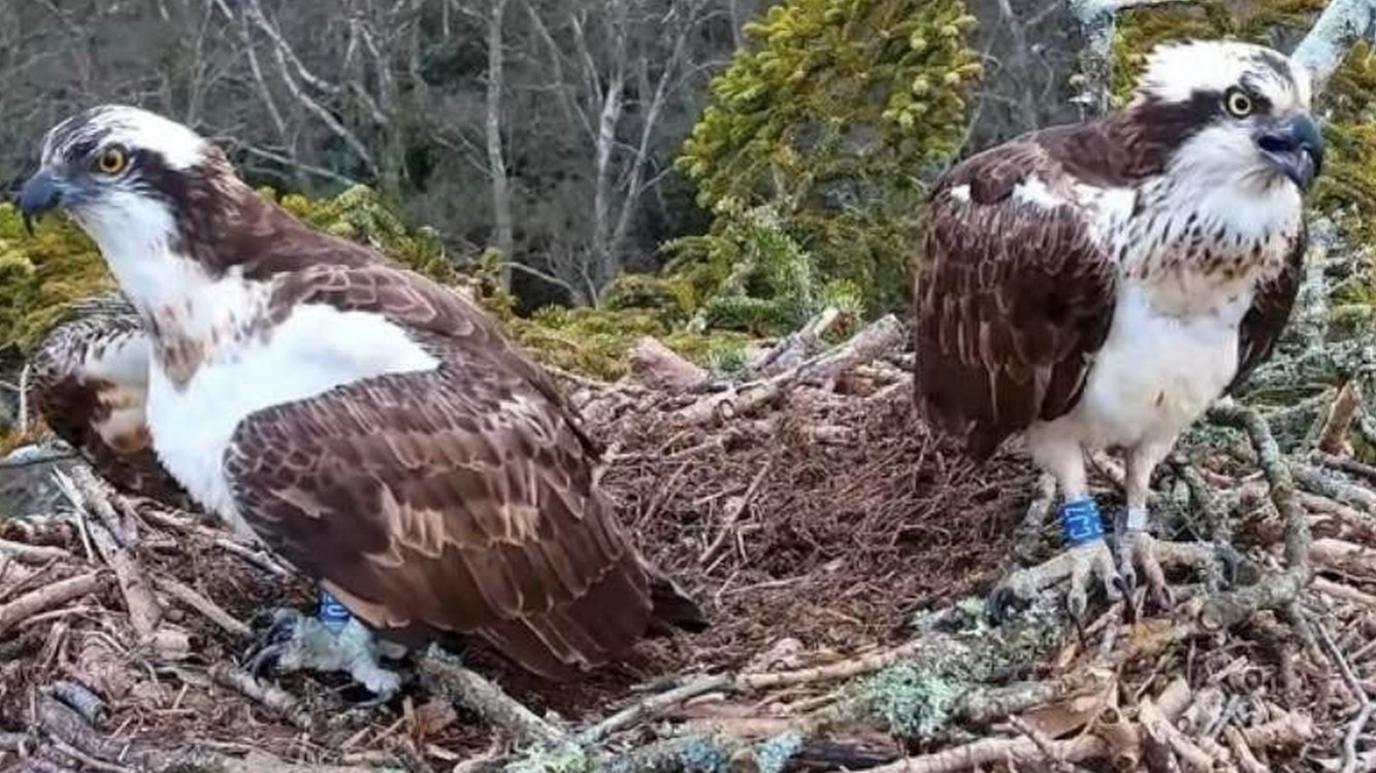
point(1099, 285)
point(370, 426)
point(88, 379)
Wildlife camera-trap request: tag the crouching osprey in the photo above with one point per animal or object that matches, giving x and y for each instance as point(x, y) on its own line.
point(88, 380)
point(1099, 285)
point(370, 426)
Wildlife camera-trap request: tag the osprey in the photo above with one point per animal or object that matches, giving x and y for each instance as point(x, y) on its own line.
point(1098, 285)
point(373, 428)
point(88, 379)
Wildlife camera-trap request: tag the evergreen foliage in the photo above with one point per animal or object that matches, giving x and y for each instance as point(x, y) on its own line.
point(811, 156)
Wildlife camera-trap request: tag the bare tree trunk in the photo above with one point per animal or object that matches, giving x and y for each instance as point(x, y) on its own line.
point(635, 184)
point(501, 183)
point(602, 259)
point(737, 24)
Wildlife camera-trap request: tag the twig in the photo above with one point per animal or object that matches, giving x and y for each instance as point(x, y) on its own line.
point(86, 703)
point(48, 597)
point(1045, 744)
point(1354, 686)
point(1246, 759)
point(651, 706)
point(1227, 609)
point(733, 512)
point(1343, 464)
point(1333, 437)
point(486, 699)
point(209, 609)
point(869, 343)
point(1333, 487)
point(33, 554)
point(842, 670)
point(995, 750)
point(268, 695)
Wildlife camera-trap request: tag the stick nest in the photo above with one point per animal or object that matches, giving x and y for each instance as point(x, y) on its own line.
point(841, 550)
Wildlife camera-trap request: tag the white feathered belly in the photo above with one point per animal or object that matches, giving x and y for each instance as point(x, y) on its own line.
point(1155, 375)
point(315, 349)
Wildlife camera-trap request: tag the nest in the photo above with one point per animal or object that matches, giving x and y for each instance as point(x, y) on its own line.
point(841, 549)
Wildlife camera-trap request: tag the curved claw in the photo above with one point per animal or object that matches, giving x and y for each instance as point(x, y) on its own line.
point(263, 664)
point(1080, 565)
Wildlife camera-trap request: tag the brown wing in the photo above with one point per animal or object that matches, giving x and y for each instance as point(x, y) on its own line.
point(1012, 298)
point(458, 500)
point(1270, 311)
point(86, 382)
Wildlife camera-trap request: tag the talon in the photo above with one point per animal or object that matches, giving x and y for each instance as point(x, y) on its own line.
point(263, 665)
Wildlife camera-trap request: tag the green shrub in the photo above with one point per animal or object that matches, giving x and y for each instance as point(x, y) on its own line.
point(824, 127)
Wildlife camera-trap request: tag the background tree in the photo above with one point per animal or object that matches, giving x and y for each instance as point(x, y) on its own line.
point(829, 121)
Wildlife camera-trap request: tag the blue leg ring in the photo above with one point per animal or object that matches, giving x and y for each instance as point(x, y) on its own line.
point(1080, 522)
point(332, 613)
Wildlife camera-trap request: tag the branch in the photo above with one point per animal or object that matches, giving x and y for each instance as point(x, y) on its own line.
point(1098, 21)
point(1341, 25)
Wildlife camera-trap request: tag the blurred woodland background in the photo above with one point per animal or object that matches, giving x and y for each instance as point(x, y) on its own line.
point(705, 171)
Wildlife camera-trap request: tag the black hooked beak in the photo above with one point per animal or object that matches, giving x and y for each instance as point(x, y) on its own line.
point(1295, 148)
point(41, 193)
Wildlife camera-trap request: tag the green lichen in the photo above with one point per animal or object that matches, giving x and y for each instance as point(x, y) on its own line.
point(773, 754)
point(563, 759)
point(919, 698)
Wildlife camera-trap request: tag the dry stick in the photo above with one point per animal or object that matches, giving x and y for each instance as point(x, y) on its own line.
point(660, 702)
point(96, 497)
point(1246, 760)
point(1287, 731)
point(651, 706)
point(32, 554)
point(487, 699)
point(268, 695)
point(1043, 742)
point(1161, 730)
point(1343, 464)
point(869, 343)
point(78, 697)
point(209, 609)
point(257, 558)
point(48, 597)
point(1225, 610)
point(1343, 592)
point(734, 512)
point(1333, 438)
point(842, 670)
point(1331, 486)
point(1354, 686)
point(995, 750)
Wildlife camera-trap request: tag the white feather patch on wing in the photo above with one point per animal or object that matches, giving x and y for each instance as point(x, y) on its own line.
point(1035, 192)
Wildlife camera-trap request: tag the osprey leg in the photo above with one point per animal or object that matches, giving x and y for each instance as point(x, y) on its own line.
point(333, 640)
point(1138, 549)
point(1086, 556)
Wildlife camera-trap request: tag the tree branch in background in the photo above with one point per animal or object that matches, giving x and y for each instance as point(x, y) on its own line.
point(1341, 25)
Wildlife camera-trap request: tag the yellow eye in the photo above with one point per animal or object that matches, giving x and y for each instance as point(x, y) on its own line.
point(1238, 104)
point(111, 161)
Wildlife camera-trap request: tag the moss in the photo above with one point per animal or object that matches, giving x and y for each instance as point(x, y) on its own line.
point(41, 275)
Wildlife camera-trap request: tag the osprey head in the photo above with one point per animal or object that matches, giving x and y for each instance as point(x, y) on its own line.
point(117, 168)
point(1235, 113)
